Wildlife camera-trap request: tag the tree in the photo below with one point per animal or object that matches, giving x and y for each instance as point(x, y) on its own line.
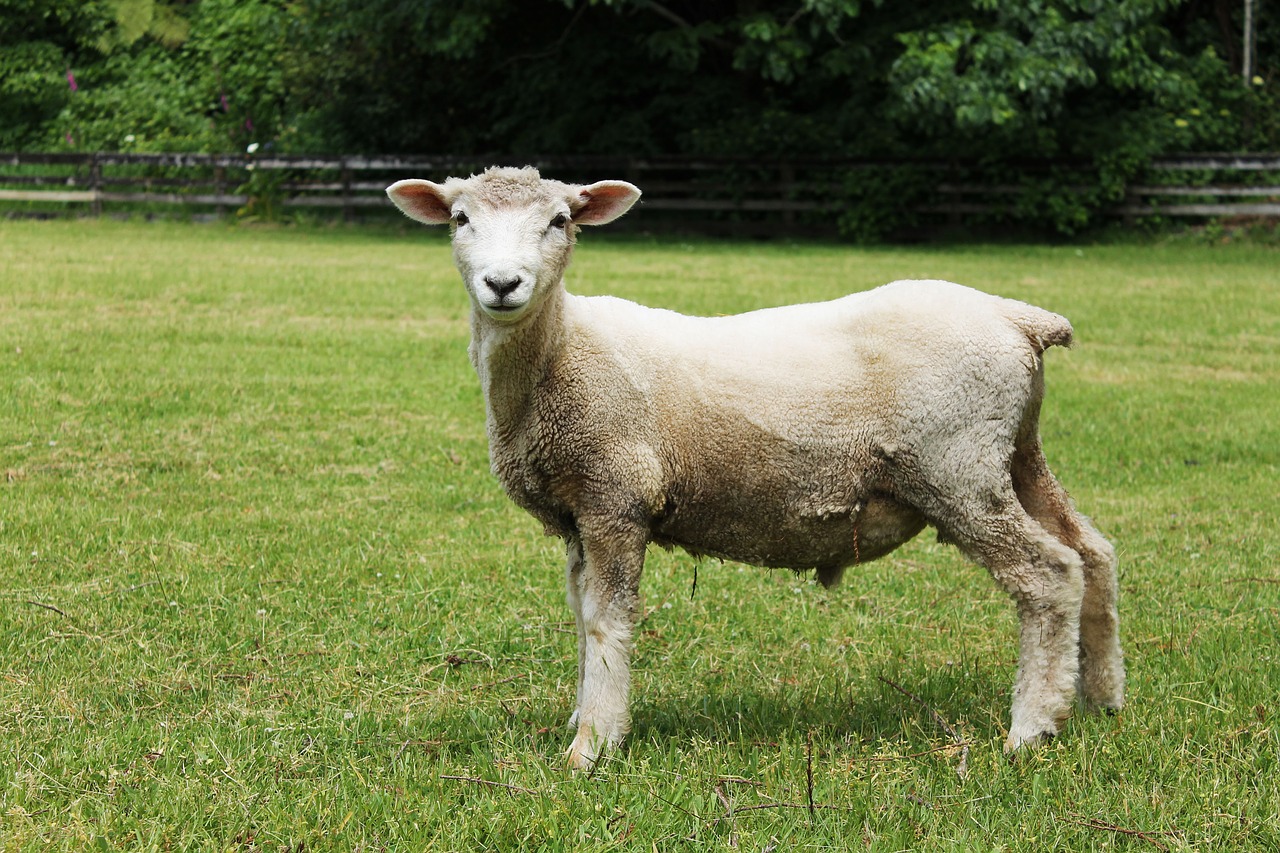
point(40, 41)
point(140, 74)
point(1102, 85)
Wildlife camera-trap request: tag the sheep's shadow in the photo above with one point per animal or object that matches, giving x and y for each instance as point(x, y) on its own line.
point(860, 712)
point(868, 709)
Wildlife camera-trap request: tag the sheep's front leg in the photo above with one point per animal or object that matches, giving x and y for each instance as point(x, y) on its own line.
point(573, 584)
point(605, 594)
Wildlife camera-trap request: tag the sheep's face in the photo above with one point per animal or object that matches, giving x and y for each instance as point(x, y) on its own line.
point(510, 255)
point(513, 232)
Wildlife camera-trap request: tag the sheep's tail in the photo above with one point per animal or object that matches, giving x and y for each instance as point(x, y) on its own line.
point(1043, 328)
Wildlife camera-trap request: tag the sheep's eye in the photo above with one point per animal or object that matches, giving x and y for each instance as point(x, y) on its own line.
point(560, 221)
point(460, 219)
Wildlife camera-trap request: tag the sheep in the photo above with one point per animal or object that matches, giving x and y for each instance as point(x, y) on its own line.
point(812, 436)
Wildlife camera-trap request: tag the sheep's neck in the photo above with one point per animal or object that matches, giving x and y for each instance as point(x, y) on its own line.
point(512, 360)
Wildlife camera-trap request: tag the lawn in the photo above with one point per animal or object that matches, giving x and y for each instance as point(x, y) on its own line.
point(259, 591)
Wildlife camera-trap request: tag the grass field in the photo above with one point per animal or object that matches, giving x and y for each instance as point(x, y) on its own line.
point(259, 591)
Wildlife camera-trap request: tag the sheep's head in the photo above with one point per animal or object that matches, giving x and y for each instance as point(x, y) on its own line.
point(513, 232)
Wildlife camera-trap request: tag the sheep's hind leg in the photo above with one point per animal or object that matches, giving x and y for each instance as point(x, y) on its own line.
point(1102, 677)
point(607, 600)
point(1046, 581)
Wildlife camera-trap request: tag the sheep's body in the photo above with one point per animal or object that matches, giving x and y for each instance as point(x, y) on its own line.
point(805, 437)
point(797, 426)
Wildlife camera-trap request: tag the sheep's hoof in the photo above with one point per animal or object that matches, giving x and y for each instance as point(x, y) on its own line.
point(1110, 707)
point(1017, 745)
point(579, 761)
point(587, 749)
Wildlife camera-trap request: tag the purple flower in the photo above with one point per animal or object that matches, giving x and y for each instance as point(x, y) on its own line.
point(223, 98)
point(71, 80)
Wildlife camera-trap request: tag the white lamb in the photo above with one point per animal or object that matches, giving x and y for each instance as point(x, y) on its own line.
point(806, 437)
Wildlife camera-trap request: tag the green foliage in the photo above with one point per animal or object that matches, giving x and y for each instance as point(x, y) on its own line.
point(39, 39)
point(136, 18)
point(265, 191)
point(137, 100)
point(33, 89)
point(238, 50)
point(880, 201)
point(1098, 87)
point(1016, 72)
point(149, 75)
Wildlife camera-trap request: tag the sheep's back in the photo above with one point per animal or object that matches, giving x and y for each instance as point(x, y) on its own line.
point(806, 367)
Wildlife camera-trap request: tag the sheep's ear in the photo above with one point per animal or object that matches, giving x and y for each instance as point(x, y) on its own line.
point(602, 202)
point(421, 200)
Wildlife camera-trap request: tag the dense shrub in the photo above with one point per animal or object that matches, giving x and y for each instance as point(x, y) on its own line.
point(1099, 88)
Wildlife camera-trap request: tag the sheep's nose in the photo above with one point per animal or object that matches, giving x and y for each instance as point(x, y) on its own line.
point(502, 287)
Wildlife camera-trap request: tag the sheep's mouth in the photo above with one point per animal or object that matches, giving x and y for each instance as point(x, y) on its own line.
point(505, 310)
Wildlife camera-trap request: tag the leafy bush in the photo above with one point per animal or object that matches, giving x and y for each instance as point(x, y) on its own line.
point(1100, 87)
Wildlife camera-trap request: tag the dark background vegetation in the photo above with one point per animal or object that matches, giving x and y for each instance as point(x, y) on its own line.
point(1096, 87)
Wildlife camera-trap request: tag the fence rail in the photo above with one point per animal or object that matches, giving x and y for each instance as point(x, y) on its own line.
point(700, 194)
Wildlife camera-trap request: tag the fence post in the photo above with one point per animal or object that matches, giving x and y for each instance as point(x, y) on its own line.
point(787, 193)
point(632, 171)
point(220, 190)
point(348, 211)
point(95, 186)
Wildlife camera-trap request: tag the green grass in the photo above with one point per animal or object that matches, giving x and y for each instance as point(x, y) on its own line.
point(260, 592)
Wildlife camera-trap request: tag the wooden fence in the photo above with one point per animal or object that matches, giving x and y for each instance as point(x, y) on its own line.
point(699, 194)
